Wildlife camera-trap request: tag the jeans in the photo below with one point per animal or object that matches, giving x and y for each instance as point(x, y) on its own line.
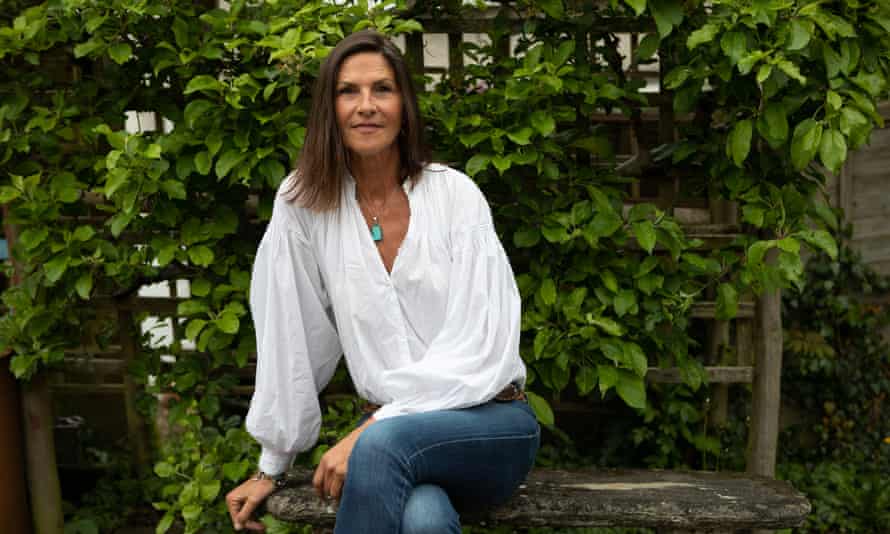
point(412, 473)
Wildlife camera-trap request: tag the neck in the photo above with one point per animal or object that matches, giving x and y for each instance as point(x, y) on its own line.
point(375, 176)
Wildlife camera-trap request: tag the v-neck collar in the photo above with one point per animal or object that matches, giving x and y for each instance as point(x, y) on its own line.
point(366, 241)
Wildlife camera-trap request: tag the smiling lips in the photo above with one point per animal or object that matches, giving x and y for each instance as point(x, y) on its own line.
point(367, 127)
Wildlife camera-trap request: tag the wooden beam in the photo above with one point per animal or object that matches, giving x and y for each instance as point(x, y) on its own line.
point(716, 375)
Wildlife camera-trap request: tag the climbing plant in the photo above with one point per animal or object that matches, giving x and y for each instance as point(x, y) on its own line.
point(775, 93)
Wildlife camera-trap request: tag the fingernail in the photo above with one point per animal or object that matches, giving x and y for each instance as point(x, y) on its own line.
point(238, 526)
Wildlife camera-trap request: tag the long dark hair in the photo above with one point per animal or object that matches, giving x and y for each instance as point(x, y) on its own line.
point(324, 160)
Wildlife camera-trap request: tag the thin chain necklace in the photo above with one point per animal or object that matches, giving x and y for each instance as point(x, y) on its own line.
point(376, 229)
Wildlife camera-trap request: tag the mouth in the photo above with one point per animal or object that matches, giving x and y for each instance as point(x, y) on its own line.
point(367, 127)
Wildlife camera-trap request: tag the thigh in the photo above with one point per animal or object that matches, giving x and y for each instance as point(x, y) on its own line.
point(478, 455)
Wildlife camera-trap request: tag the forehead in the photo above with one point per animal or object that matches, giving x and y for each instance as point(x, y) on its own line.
point(365, 66)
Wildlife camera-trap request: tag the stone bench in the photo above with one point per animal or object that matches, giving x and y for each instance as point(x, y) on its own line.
point(665, 500)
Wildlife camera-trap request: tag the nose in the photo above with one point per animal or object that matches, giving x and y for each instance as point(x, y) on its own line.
point(366, 104)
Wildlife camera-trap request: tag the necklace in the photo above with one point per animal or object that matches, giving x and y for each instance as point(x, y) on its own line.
point(376, 229)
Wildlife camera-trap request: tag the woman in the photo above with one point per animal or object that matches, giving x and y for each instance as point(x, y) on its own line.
point(374, 254)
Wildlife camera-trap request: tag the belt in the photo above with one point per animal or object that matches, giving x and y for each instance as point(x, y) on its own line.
point(510, 393)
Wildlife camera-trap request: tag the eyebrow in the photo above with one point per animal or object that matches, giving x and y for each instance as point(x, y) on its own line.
point(381, 80)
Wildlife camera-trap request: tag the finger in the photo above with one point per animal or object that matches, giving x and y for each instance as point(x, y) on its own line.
point(255, 526)
point(244, 515)
point(336, 488)
point(233, 503)
point(318, 480)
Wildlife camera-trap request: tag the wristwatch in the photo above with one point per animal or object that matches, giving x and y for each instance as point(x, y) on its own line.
point(280, 480)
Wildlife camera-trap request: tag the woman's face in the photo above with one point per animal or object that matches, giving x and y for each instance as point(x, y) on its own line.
point(368, 104)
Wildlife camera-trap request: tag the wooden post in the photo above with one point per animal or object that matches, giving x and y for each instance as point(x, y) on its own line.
point(13, 489)
point(40, 456)
point(722, 211)
point(135, 424)
point(40, 449)
point(766, 394)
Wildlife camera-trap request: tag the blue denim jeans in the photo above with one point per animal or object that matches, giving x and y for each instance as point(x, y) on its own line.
point(411, 474)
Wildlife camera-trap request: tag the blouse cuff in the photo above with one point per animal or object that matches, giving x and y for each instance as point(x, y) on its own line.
point(274, 463)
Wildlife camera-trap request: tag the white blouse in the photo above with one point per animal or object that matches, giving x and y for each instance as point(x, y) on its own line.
point(441, 331)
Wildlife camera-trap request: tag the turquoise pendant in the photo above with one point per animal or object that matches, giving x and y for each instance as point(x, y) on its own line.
point(376, 231)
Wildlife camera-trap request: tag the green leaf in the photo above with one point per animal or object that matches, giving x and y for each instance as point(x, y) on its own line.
point(235, 471)
point(625, 301)
point(84, 233)
point(191, 307)
point(228, 323)
point(805, 142)
point(667, 14)
point(521, 136)
point(727, 302)
point(553, 8)
point(677, 76)
point(638, 6)
point(229, 159)
point(84, 285)
point(165, 523)
point(585, 379)
point(210, 490)
point(501, 163)
point(548, 291)
point(56, 267)
point(826, 214)
point(608, 325)
point(773, 124)
point(200, 287)
point(407, 26)
point(164, 470)
point(478, 163)
point(705, 34)
point(194, 328)
point(833, 150)
point(650, 282)
point(738, 143)
point(636, 359)
point(757, 251)
point(608, 377)
point(190, 512)
point(174, 189)
point(647, 47)
point(543, 122)
point(541, 407)
point(753, 214)
point(33, 237)
point(819, 239)
point(734, 44)
point(120, 53)
point(799, 34)
point(872, 83)
point(645, 234)
point(832, 61)
point(201, 255)
point(631, 389)
point(195, 110)
point(203, 82)
point(88, 47)
point(526, 237)
point(791, 70)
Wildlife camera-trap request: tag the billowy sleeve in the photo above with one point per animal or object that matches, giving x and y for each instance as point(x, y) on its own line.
point(476, 353)
point(297, 344)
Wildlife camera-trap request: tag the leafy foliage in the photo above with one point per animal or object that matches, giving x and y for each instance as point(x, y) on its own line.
point(777, 91)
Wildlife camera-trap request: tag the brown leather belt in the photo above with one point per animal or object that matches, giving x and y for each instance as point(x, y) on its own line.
point(510, 393)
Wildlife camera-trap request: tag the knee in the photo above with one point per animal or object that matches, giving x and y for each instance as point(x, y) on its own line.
point(429, 511)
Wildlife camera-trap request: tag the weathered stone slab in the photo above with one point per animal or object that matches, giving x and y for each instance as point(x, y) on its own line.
point(692, 500)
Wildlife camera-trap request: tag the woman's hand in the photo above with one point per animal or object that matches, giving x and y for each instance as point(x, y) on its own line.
point(331, 472)
point(243, 500)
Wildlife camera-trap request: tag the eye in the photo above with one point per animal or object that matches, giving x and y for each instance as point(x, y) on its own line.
point(385, 88)
point(345, 90)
